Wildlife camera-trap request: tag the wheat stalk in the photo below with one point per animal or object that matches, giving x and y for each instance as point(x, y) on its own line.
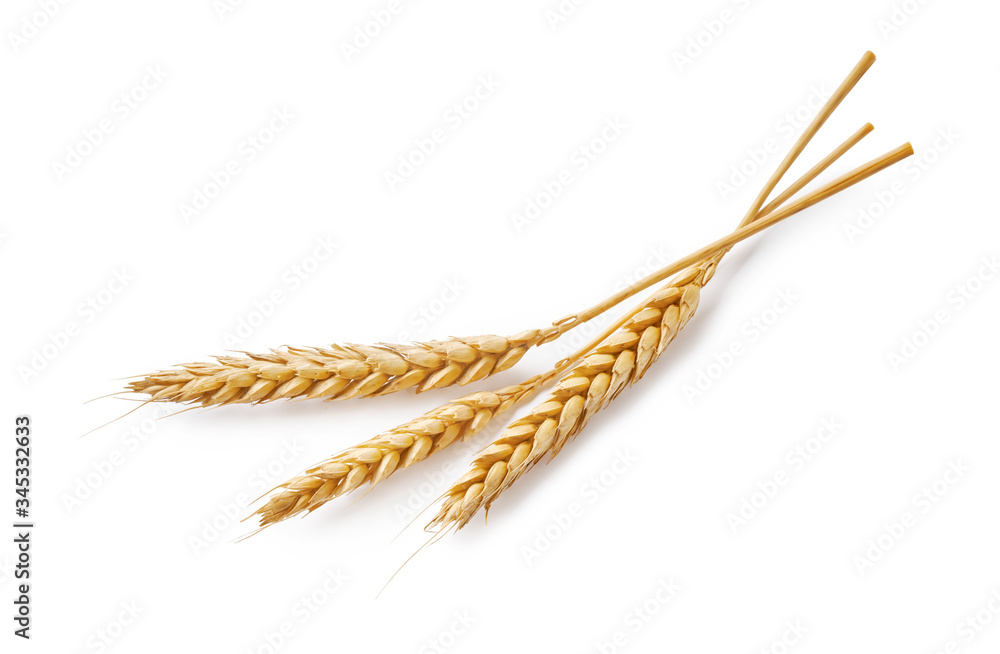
point(599, 377)
point(586, 389)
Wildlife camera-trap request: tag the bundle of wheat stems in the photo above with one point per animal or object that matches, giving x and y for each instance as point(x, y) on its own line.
point(587, 381)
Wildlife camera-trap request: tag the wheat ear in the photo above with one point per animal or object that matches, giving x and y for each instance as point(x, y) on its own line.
point(339, 372)
point(374, 460)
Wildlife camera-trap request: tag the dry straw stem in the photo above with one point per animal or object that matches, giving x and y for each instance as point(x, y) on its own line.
point(376, 459)
point(597, 380)
point(755, 212)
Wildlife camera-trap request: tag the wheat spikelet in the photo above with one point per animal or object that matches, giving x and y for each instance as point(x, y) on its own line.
point(340, 372)
point(587, 388)
point(376, 459)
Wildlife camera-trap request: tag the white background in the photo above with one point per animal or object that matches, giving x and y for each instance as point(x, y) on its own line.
point(128, 537)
